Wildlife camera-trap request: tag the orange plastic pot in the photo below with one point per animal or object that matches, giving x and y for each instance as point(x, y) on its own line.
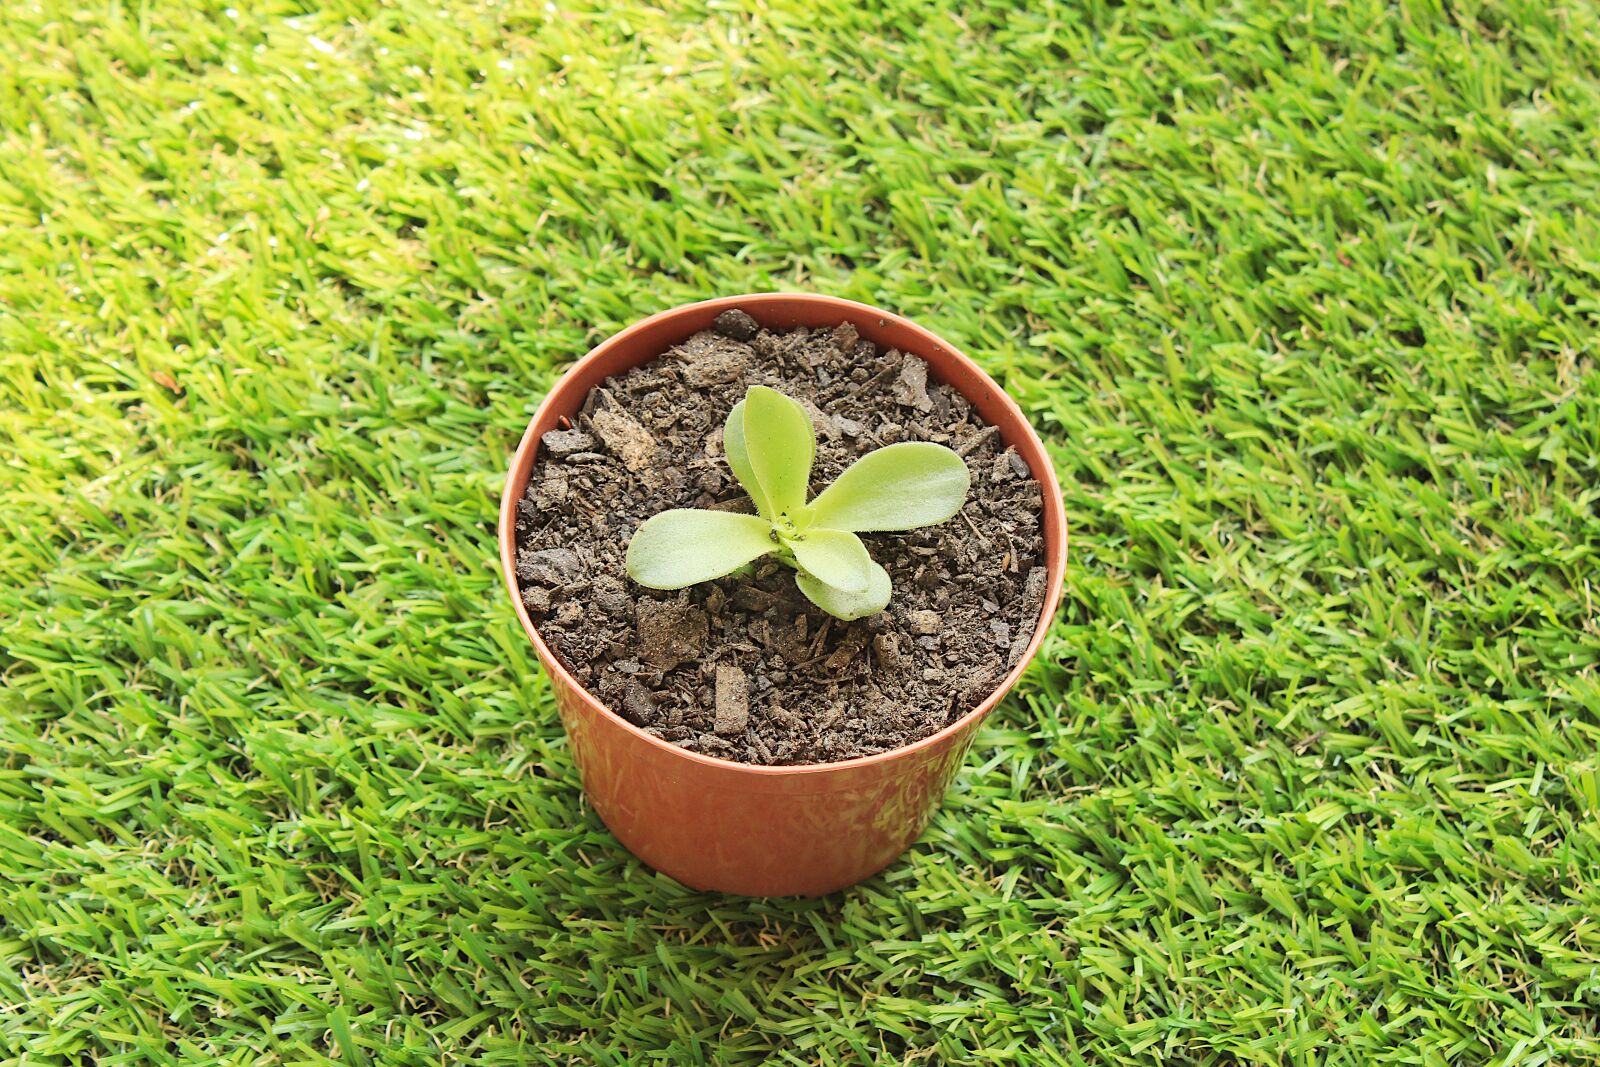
point(767, 831)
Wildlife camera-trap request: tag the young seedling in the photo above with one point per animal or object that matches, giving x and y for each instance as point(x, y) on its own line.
point(770, 445)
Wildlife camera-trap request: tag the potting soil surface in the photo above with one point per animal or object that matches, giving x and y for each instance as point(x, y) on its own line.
point(745, 667)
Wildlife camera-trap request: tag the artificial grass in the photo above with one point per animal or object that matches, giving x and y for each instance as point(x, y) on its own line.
point(1303, 296)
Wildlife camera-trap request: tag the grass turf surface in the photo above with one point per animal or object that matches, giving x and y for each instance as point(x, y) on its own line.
point(1304, 298)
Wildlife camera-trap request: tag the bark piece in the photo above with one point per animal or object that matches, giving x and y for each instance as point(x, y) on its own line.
point(627, 440)
point(670, 633)
point(563, 443)
point(733, 700)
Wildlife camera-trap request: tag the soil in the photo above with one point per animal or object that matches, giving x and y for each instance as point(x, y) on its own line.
point(746, 668)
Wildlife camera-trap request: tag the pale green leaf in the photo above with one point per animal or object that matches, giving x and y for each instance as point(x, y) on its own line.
point(780, 445)
point(684, 546)
point(845, 605)
point(739, 459)
point(834, 558)
point(900, 487)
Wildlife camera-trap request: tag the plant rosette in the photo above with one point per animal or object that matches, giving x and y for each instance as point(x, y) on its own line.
point(770, 444)
point(808, 828)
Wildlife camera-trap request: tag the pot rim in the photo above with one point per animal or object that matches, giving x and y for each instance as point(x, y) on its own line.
point(1054, 522)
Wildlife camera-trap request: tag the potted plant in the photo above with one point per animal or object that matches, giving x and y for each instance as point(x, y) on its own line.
point(676, 581)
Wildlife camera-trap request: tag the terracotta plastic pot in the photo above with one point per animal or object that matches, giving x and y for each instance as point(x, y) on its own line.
point(767, 831)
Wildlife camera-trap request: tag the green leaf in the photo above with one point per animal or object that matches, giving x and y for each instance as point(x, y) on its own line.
point(739, 459)
point(845, 605)
point(834, 558)
point(900, 487)
point(780, 444)
point(685, 545)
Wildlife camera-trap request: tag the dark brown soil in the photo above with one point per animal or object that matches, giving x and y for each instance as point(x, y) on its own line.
point(745, 667)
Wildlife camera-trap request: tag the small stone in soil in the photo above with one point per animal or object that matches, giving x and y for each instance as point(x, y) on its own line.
point(1018, 648)
point(536, 599)
point(737, 325)
point(887, 648)
point(552, 490)
point(784, 717)
point(563, 443)
point(1019, 466)
point(842, 657)
point(976, 689)
point(628, 440)
point(733, 700)
point(670, 633)
point(823, 423)
point(1033, 590)
point(550, 566)
point(1001, 632)
point(710, 360)
point(713, 745)
point(638, 707)
point(923, 622)
point(610, 597)
point(973, 441)
point(911, 388)
point(750, 598)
